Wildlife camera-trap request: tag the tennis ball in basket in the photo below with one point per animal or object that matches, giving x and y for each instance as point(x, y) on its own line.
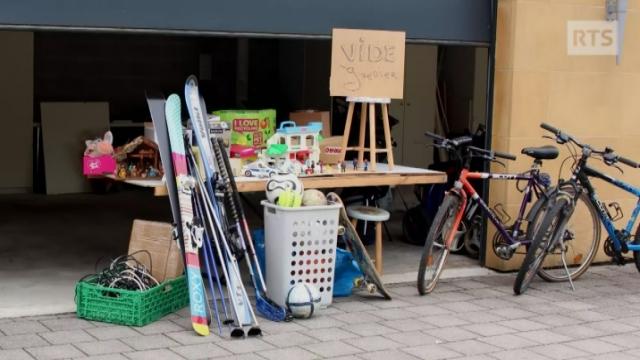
point(313, 197)
point(279, 183)
point(302, 300)
point(290, 198)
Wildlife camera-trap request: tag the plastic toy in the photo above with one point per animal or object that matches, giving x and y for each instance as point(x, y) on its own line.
point(303, 142)
point(258, 169)
point(100, 147)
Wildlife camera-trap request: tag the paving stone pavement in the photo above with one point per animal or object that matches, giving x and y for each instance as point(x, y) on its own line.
point(467, 318)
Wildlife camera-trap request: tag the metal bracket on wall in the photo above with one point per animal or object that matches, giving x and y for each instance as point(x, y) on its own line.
point(616, 10)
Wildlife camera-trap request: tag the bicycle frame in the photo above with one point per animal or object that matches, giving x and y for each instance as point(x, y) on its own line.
point(583, 176)
point(463, 187)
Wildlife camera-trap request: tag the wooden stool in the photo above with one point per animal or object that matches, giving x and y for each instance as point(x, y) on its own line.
point(370, 104)
point(377, 215)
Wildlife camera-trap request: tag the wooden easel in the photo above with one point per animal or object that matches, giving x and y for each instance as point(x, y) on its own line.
point(369, 103)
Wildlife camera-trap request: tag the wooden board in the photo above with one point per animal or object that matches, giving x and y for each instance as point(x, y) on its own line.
point(65, 127)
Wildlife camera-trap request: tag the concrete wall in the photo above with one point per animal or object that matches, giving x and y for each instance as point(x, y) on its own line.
point(16, 114)
point(588, 96)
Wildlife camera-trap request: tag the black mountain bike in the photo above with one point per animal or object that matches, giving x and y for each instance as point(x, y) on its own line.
point(554, 247)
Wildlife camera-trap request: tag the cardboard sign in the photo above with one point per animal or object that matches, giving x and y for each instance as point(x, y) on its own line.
point(367, 63)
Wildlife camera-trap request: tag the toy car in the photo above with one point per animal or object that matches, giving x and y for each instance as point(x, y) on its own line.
point(258, 169)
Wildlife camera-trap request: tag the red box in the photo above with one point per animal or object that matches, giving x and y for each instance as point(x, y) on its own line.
point(100, 165)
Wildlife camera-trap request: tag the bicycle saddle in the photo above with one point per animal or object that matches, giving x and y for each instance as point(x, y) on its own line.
point(541, 152)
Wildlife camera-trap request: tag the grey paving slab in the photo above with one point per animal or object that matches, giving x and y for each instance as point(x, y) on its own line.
point(522, 324)
point(472, 318)
point(155, 354)
point(472, 347)
point(559, 351)
point(432, 352)
point(331, 349)
point(54, 352)
point(519, 354)
point(242, 346)
point(105, 357)
point(595, 346)
point(373, 343)
point(508, 341)
point(147, 342)
point(103, 347)
point(67, 337)
point(489, 329)
point(292, 353)
point(67, 323)
point(369, 329)
point(21, 341)
point(387, 355)
point(160, 327)
point(452, 334)
point(16, 354)
point(330, 334)
point(413, 338)
point(407, 324)
point(289, 339)
point(22, 327)
point(112, 332)
point(200, 351)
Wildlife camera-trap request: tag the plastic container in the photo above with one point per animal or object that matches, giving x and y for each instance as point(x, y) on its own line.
point(129, 307)
point(300, 246)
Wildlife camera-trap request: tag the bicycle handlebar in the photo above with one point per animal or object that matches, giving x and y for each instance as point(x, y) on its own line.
point(490, 154)
point(449, 143)
point(608, 154)
point(628, 162)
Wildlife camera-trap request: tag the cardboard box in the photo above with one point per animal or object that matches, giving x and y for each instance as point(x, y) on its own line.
point(249, 127)
point(155, 237)
point(303, 117)
point(100, 165)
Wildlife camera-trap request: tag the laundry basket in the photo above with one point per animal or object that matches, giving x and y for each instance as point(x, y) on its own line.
point(300, 246)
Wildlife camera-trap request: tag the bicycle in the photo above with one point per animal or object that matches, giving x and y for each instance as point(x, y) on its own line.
point(441, 239)
point(562, 208)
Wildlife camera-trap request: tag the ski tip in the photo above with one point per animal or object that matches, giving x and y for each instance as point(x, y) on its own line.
point(201, 329)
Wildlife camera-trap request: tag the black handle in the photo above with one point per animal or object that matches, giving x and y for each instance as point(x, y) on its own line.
point(549, 128)
point(628, 162)
point(492, 154)
point(461, 140)
point(435, 136)
point(504, 155)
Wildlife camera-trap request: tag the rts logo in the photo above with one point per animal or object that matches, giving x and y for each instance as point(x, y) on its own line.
point(592, 37)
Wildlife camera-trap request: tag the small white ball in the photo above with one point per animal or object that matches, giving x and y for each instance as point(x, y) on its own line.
point(302, 300)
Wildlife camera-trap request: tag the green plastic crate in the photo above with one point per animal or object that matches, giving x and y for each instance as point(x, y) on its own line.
point(128, 307)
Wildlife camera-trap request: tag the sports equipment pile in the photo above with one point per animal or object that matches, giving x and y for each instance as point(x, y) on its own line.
point(209, 220)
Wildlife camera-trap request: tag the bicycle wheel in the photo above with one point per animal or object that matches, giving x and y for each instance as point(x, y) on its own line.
point(551, 227)
point(636, 254)
point(435, 251)
point(580, 239)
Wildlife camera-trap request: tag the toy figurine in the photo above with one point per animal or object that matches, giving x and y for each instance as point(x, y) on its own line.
point(122, 171)
point(152, 172)
point(339, 166)
point(366, 164)
point(343, 166)
point(320, 166)
point(355, 164)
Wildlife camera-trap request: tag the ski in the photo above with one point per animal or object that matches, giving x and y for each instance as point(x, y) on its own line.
point(184, 186)
point(265, 306)
point(241, 306)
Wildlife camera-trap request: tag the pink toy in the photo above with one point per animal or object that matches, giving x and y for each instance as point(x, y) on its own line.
point(98, 156)
point(100, 147)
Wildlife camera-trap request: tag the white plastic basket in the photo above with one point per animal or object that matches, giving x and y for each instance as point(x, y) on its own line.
point(300, 246)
